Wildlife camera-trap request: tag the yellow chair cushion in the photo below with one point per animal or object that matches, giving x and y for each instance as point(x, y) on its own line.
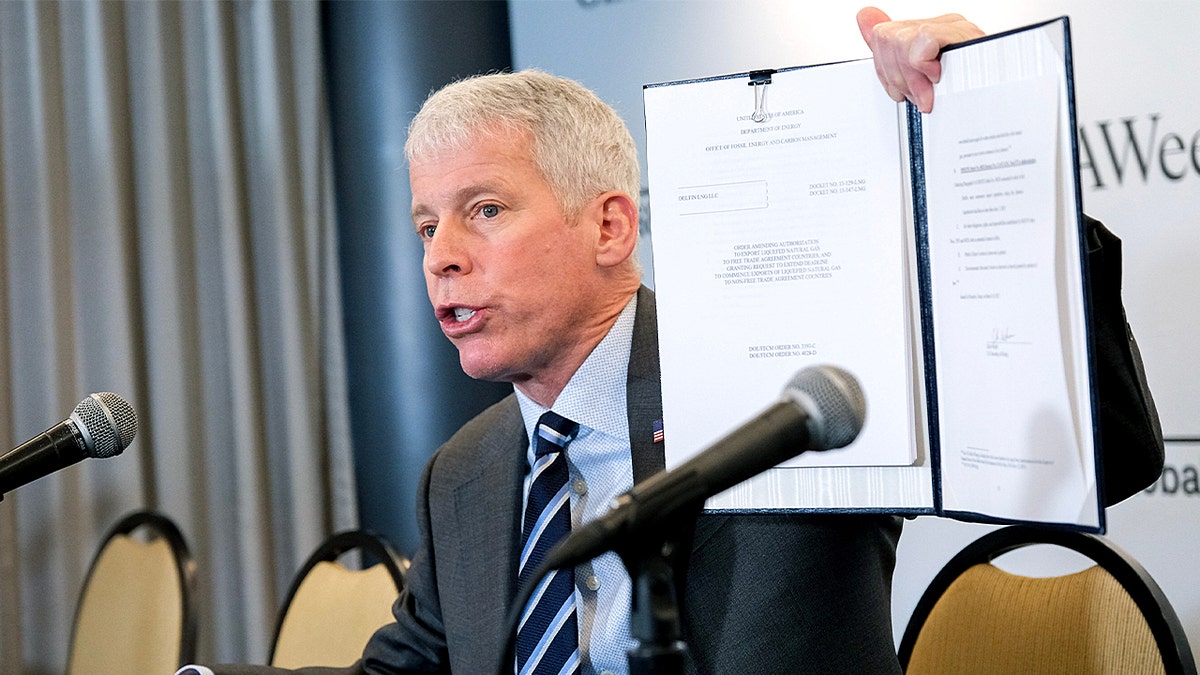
point(131, 612)
point(333, 614)
point(990, 621)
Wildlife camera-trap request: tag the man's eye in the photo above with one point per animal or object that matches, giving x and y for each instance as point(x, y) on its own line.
point(427, 231)
point(489, 211)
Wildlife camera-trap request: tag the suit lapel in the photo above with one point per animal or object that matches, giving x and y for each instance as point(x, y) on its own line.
point(643, 390)
point(487, 515)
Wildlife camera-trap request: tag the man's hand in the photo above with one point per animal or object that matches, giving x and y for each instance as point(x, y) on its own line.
point(906, 52)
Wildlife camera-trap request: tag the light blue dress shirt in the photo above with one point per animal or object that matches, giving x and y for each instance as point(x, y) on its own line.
point(600, 469)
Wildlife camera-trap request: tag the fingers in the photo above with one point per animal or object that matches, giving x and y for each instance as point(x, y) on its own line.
point(886, 66)
point(920, 90)
point(925, 46)
point(891, 75)
point(906, 52)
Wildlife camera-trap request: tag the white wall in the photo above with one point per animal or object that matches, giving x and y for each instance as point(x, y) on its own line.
point(1135, 79)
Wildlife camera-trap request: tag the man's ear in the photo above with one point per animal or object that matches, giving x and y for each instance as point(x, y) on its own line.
point(618, 222)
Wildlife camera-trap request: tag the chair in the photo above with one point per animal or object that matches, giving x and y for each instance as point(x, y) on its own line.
point(331, 610)
point(1109, 618)
point(136, 613)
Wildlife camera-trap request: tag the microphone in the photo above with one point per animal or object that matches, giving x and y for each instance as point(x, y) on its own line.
point(821, 408)
point(102, 425)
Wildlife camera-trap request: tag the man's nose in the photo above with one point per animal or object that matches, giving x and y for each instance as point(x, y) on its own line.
point(446, 253)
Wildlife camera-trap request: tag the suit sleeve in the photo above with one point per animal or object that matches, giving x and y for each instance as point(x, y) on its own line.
point(356, 669)
point(1130, 433)
point(416, 641)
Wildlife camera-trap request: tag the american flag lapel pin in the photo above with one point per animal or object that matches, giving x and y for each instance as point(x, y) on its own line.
point(658, 431)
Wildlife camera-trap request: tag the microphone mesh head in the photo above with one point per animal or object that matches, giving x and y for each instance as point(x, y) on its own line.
point(108, 421)
point(837, 404)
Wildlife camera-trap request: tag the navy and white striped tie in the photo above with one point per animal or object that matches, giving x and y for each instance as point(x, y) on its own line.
point(548, 633)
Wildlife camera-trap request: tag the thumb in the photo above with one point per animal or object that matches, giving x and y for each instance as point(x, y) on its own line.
point(868, 18)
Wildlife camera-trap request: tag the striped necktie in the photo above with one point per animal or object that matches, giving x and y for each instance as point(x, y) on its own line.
point(548, 633)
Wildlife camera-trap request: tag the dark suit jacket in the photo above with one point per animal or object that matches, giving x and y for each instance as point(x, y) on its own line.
point(769, 593)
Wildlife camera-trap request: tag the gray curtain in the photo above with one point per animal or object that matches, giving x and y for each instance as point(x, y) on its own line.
point(167, 233)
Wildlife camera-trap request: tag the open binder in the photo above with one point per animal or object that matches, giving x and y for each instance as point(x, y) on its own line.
point(802, 217)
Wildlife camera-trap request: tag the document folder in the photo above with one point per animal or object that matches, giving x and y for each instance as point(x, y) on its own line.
point(800, 217)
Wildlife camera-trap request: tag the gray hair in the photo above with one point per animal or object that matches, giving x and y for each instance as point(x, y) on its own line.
point(580, 145)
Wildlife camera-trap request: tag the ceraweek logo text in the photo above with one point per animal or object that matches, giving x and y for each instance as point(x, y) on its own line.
point(1176, 481)
point(1145, 148)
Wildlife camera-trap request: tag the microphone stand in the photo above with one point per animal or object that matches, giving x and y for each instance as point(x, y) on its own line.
point(654, 619)
point(657, 571)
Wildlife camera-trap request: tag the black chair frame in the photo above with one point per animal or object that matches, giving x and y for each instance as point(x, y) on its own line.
point(1164, 623)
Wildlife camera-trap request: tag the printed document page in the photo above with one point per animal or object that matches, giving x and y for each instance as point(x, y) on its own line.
point(1014, 413)
point(780, 244)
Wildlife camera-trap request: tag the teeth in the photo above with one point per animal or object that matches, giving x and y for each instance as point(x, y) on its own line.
point(462, 313)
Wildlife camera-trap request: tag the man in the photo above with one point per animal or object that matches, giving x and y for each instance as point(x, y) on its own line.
point(525, 196)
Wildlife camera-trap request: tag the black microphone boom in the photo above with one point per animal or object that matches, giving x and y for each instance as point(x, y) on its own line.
point(821, 408)
point(102, 425)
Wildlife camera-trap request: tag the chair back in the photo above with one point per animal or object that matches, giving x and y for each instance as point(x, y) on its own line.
point(1109, 618)
point(332, 610)
point(135, 612)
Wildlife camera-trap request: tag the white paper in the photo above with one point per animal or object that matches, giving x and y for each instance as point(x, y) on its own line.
point(780, 244)
point(1014, 417)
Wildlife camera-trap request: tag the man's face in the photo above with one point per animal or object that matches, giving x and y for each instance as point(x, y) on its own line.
point(511, 281)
